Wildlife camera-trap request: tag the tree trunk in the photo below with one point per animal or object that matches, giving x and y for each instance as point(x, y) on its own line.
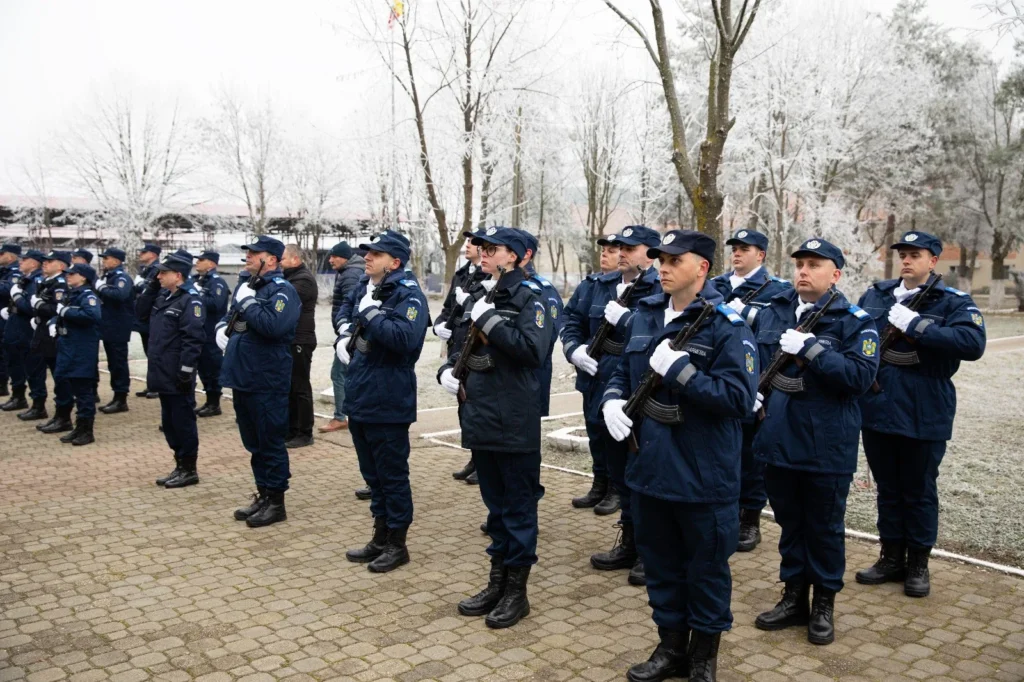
point(890, 236)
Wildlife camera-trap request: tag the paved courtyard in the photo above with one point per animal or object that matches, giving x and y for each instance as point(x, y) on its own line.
point(105, 576)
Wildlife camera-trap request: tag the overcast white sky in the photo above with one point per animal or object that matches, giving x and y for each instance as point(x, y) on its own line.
point(56, 51)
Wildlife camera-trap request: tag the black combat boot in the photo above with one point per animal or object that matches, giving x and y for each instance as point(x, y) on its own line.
point(636, 574)
point(85, 435)
point(820, 629)
point(890, 567)
point(259, 498)
point(513, 605)
point(670, 659)
point(610, 504)
point(598, 489)
point(212, 406)
point(17, 401)
point(374, 547)
point(483, 602)
point(37, 411)
point(465, 471)
point(187, 475)
point(3, 389)
point(750, 530)
point(918, 582)
point(621, 555)
point(395, 552)
point(61, 421)
point(174, 472)
point(142, 394)
point(152, 395)
point(118, 404)
point(364, 493)
point(792, 610)
point(272, 511)
point(483, 528)
point(473, 478)
point(68, 437)
point(704, 656)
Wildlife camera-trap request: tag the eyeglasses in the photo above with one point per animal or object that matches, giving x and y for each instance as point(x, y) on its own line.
point(491, 249)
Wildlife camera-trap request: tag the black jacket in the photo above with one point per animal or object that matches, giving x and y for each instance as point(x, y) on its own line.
point(176, 336)
point(51, 291)
point(345, 282)
point(305, 284)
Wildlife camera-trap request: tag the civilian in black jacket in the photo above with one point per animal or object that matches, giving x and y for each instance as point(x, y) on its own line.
point(300, 396)
point(350, 267)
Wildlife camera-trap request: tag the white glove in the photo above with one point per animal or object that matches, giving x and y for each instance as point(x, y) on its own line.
point(900, 316)
point(53, 331)
point(341, 350)
point(460, 295)
point(367, 301)
point(488, 284)
point(479, 308)
point(5, 313)
point(15, 290)
point(101, 284)
point(580, 358)
point(619, 425)
point(613, 312)
point(792, 341)
point(197, 287)
point(222, 338)
point(343, 327)
point(449, 382)
point(664, 357)
point(801, 309)
point(758, 402)
point(244, 291)
point(60, 309)
point(34, 301)
point(737, 305)
point(441, 330)
point(34, 323)
point(139, 279)
point(619, 288)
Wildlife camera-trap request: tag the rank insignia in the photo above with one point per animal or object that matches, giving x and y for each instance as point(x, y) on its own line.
point(279, 306)
point(869, 347)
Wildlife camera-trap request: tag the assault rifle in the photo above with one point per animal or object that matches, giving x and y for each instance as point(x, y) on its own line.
point(596, 347)
point(891, 334)
point(236, 311)
point(651, 379)
point(461, 369)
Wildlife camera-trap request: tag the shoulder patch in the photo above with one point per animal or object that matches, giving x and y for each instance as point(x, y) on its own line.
point(538, 314)
point(956, 291)
point(858, 313)
point(279, 305)
point(197, 309)
point(92, 300)
point(409, 283)
point(411, 313)
point(214, 275)
point(532, 285)
point(730, 314)
point(279, 280)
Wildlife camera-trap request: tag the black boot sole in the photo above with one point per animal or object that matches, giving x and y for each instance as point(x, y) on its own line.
point(478, 611)
point(363, 496)
point(270, 522)
point(606, 511)
point(88, 441)
point(61, 429)
point(791, 622)
point(624, 564)
point(749, 546)
point(211, 413)
point(580, 503)
point(182, 484)
point(890, 578)
point(362, 559)
point(15, 408)
point(117, 410)
point(821, 641)
point(636, 580)
point(502, 624)
point(917, 594)
point(682, 670)
point(389, 567)
point(33, 418)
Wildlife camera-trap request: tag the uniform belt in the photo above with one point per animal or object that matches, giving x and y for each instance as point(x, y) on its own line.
point(480, 363)
point(362, 345)
point(663, 414)
point(901, 359)
point(240, 326)
point(613, 348)
point(788, 384)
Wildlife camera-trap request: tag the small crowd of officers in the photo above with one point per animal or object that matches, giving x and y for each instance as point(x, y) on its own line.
point(711, 450)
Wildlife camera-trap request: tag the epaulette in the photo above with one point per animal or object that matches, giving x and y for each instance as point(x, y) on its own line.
point(780, 280)
point(730, 314)
point(408, 283)
point(956, 291)
point(592, 276)
point(541, 281)
point(532, 285)
point(858, 313)
point(214, 275)
point(279, 280)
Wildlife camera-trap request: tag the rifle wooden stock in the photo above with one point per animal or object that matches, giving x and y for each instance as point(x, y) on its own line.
point(596, 347)
point(461, 369)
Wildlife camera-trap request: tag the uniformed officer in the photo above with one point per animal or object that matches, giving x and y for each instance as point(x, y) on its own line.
point(500, 420)
point(216, 295)
point(602, 306)
point(387, 314)
point(176, 317)
point(809, 435)
point(18, 330)
point(117, 294)
point(76, 330)
point(907, 417)
point(147, 262)
point(686, 477)
point(83, 256)
point(553, 300)
point(749, 277)
point(8, 274)
point(45, 302)
point(258, 366)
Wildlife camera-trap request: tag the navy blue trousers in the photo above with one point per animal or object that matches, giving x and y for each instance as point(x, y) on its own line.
point(177, 414)
point(383, 452)
point(906, 471)
point(35, 375)
point(685, 549)
point(263, 424)
point(598, 457)
point(83, 392)
point(753, 494)
point(117, 365)
point(15, 356)
point(811, 509)
point(210, 360)
point(510, 488)
point(616, 454)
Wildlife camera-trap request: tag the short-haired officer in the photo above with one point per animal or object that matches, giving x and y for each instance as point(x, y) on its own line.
point(176, 318)
point(809, 435)
point(907, 417)
point(258, 366)
point(602, 306)
point(148, 256)
point(9, 273)
point(685, 479)
point(749, 277)
point(76, 330)
point(117, 294)
point(46, 302)
point(216, 296)
point(500, 420)
point(18, 330)
point(83, 256)
point(388, 315)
